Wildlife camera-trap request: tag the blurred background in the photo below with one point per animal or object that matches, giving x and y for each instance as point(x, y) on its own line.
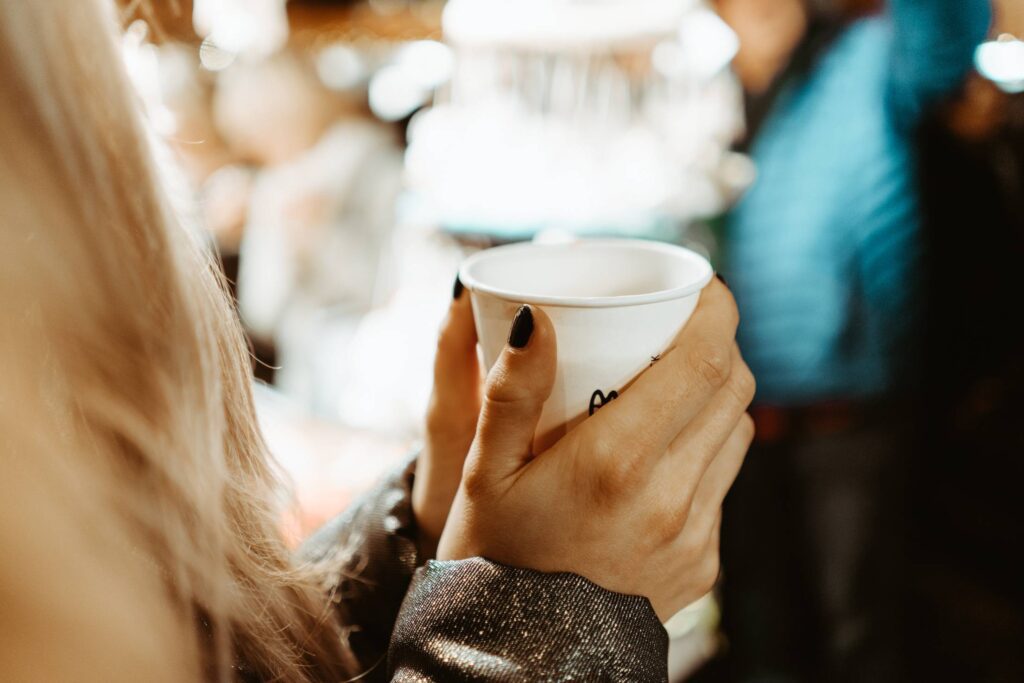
point(344, 156)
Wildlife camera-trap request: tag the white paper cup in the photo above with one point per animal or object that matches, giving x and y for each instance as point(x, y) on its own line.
point(615, 305)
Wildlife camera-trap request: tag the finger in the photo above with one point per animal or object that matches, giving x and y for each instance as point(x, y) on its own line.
point(699, 444)
point(666, 396)
point(706, 506)
point(514, 394)
point(455, 401)
point(703, 568)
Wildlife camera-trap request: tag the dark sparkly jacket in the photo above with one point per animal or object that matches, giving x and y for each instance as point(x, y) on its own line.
point(472, 620)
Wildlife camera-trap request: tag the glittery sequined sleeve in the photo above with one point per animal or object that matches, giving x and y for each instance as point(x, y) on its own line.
point(367, 556)
point(475, 620)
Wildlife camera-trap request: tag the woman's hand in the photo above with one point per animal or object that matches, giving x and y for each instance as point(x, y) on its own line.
point(451, 422)
point(631, 499)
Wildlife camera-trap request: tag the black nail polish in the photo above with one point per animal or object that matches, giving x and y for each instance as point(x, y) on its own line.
point(719, 276)
point(522, 328)
point(457, 288)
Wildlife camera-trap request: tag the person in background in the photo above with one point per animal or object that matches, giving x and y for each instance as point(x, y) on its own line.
point(139, 533)
point(823, 255)
point(967, 609)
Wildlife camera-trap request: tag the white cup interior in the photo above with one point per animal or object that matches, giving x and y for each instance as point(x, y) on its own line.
point(587, 273)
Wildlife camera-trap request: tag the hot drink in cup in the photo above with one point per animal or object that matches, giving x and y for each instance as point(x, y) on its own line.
point(616, 305)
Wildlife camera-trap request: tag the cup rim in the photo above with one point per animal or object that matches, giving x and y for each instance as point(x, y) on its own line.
point(474, 285)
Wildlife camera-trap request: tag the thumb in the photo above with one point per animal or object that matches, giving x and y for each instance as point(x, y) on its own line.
point(516, 389)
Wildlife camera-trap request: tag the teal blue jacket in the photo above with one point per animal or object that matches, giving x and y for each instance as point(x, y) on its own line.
point(823, 250)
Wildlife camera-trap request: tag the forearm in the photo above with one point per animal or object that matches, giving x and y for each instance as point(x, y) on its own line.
point(366, 557)
point(481, 621)
point(471, 619)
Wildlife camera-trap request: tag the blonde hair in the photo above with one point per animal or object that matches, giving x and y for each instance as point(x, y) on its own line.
point(138, 526)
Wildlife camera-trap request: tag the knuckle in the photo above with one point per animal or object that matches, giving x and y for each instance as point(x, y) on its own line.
point(618, 471)
point(600, 449)
point(731, 309)
point(474, 481)
point(625, 468)
point(725, 299)
point(712, 363)
point(606, 488)
point(714, 544)
point(671, 523)
point(503, 388)
point(708, 574)
point(743, 385)
point(747, 428)
point(692, 546)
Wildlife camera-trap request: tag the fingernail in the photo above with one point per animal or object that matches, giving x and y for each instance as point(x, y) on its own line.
point(457, 288)
point(719, 276)
point(522, 328)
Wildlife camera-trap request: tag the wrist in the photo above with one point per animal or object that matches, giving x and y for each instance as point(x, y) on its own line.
point(432, 495)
